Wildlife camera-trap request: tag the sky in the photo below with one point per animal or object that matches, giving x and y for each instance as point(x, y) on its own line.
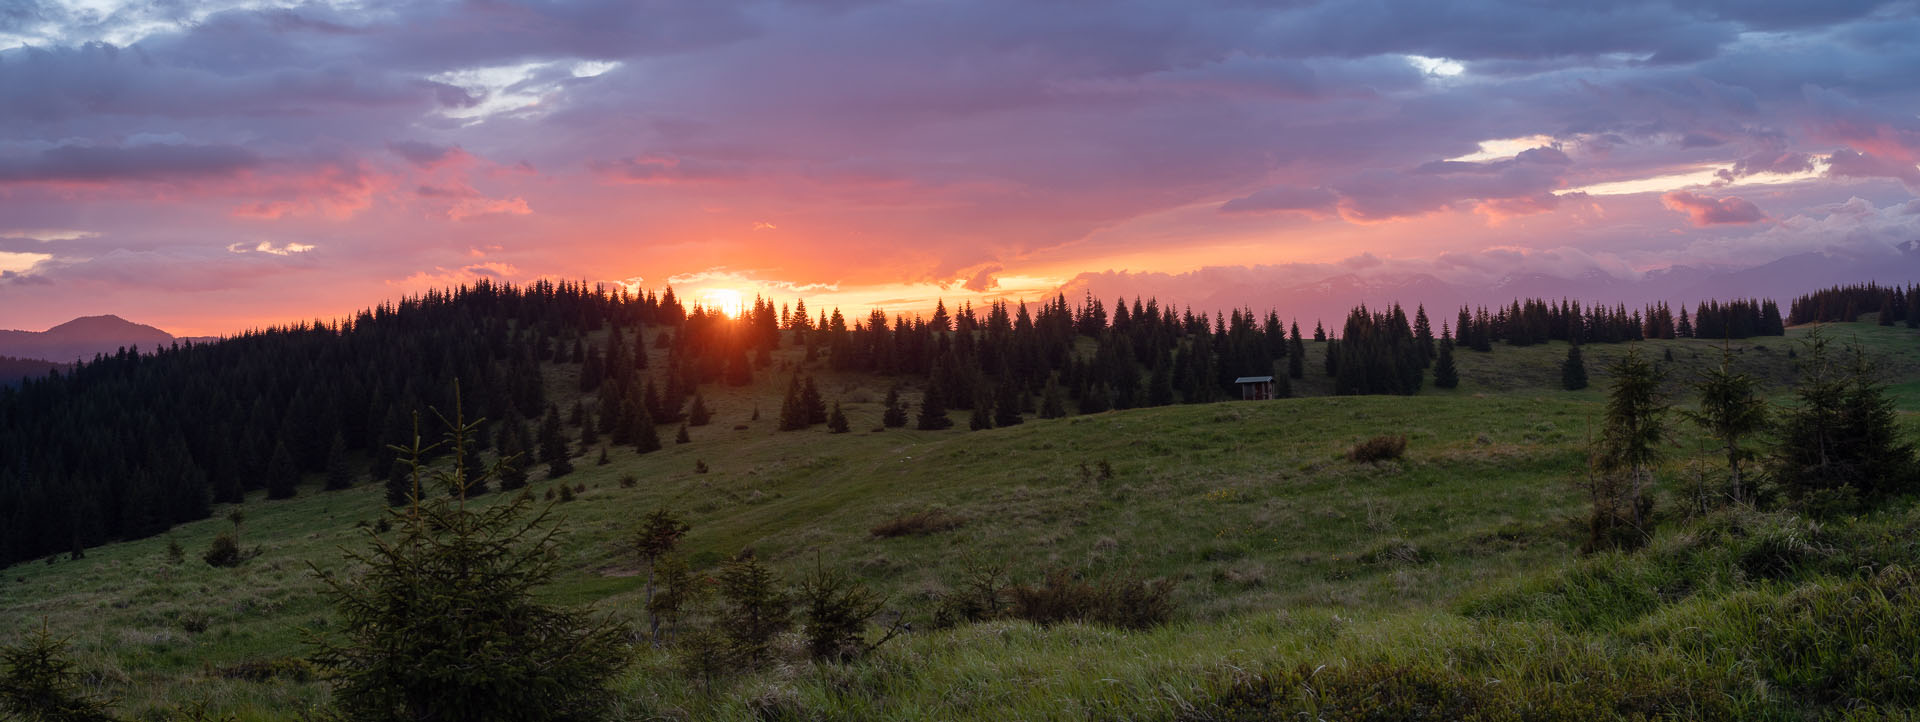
point(207, 167)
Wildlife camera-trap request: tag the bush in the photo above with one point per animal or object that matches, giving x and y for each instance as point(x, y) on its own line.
point(267, 670)
point(628, 481)
point(837, 610)
point(1062, 596)
point(224, 551)
point(1378, 448)
point(919, 523)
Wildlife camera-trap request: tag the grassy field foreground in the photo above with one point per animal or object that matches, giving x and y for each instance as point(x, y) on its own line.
point(1442, 585)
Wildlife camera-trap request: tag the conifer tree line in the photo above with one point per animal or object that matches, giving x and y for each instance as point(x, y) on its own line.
point(1532, 321)
point(1844, 304)
point(189, 426)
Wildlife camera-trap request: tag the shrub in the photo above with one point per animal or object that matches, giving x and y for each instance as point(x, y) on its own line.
point(628, 481)
point(224, 551)
point(1062, 596)
point(837, 610)
point(979, 595)
point(566, 493)
point(267, 670)
point(919, 523)
point(1377, 449)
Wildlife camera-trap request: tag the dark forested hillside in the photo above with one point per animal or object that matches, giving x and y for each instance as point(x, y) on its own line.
point(14, 370)
point(127, 445)
point(1845, 304)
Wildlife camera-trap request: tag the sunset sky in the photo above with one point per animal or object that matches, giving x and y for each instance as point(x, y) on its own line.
point(210, 166)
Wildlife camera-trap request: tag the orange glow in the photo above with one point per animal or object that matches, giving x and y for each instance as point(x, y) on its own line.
point(724, 300)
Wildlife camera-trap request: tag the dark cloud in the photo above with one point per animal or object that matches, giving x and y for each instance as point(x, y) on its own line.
point(1705, 211)
point(152, 162)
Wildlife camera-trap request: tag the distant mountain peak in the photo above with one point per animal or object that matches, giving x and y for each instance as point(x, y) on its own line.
point(82, 338)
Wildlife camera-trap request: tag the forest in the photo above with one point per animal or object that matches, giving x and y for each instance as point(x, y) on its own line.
point(204, 423)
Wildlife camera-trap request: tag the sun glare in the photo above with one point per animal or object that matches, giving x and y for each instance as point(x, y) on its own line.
point(724, 300)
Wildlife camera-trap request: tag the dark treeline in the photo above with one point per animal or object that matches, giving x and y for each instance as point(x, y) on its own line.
point(127, 445)
point(1534, 321)
point(1845, 304)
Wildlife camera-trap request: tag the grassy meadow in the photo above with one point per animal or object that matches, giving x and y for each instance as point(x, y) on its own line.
point(1304, 582)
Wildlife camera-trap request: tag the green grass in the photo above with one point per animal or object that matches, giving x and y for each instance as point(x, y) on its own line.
point(1454, 563)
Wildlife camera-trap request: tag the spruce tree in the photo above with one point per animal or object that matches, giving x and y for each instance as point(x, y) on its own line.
point(39, 682)
point(1445, 376)
point(660, 533)
point(646, 434)
point(699, 415)
point(754, 610)
point(981, 417)
point(282, 475)
point(1731, 411)
point(1296, 354)
point(444, 621)
point(399, 485)
point(933, 412)
point(1053, 399)
point(1632, 442)
point(837, 421)
point(339, 471)
point(681, 436)
point(1573, 371)
point(553, 446)
point(793, 412)
point(1842, 440)
point(896, 412)
point(811, 402)
point(1007, 402)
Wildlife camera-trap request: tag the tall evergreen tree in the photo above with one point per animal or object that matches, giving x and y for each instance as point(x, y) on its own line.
point(811, 402)
point(1732, 411)
point(933, 412)
point(1053, 399)
point(1842, 439)
point(1296, 353)
point(282, 476)
point(339, 470)
point(1445, 376)
point(553, 445)
point(895, 415)
point(837, 420)
point(1573, 371)
point(698, 415)
point(1632, 441)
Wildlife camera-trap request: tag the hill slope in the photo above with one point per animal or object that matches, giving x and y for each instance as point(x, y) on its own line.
point(1453, 564)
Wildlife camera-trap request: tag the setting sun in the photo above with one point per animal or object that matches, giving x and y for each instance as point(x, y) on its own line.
point(724, 300)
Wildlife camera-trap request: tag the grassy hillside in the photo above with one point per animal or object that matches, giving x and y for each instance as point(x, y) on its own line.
point(1453, 567)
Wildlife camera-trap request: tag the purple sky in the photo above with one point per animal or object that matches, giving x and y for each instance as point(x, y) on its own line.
point(211, 166)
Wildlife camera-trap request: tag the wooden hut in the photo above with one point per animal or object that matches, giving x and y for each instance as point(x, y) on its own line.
point(1255, 388)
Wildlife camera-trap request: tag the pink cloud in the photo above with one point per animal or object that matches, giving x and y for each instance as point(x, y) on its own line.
point(1704, 211)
